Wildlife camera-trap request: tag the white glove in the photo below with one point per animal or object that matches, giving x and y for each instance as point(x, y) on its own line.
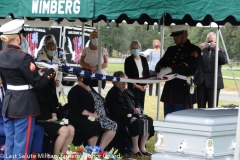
point(164, 71)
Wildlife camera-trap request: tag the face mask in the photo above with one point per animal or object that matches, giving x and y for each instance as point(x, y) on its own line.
point(50, 53)
point(95, 41)
point(156, 46)
point(135, 52)
point(87, 81)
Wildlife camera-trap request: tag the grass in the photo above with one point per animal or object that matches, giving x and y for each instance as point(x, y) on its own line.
point(114, 67)
point(150, 109)
point(151, 103)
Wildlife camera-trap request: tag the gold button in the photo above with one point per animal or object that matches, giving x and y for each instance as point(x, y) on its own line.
point(179, 49)
point(177, 53)
point(175, 57)
point(173, 61)
point(50, 74)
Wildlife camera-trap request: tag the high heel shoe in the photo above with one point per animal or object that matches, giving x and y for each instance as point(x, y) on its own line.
point(146, 153)
point(137, 154)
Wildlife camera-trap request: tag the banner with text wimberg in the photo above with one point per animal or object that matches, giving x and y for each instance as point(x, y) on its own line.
point(54, 9)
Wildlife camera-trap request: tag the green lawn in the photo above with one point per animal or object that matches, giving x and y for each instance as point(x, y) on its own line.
point(114, 67)
point(229, 84)
point(151, 103)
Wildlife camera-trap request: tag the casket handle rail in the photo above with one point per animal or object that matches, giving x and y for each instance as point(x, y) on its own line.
point(209, 149)
point(182, 147)
point(233, 145)
point(159, 145)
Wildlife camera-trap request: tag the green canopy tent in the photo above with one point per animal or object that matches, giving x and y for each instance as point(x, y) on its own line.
point(163, 12)
point(175, 11)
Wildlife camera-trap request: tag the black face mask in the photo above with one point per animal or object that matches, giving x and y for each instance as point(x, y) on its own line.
point(87, 81)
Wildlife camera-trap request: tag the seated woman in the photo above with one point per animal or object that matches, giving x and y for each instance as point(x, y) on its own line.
point(125, 109)
point(48, 102)
point(84, 102)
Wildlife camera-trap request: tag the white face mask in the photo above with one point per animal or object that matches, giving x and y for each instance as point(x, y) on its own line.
point(95, 41)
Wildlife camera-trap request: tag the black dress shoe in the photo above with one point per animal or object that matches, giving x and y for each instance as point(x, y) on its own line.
point(137, 154)
point(146, 153)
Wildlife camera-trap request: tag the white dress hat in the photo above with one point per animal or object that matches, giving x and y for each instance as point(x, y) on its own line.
point(12, 27)
point(178, 29)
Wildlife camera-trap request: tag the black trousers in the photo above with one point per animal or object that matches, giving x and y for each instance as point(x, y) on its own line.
point(205, 95)
point(151, 85)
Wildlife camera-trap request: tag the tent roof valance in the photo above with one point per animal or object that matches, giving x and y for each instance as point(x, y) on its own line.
point(175, 11)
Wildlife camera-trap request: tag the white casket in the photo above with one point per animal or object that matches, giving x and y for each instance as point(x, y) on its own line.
point(196, 134)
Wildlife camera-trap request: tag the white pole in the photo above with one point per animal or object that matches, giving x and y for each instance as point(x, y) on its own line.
point(230, 65)
point(159, 84)
point(216, 71)
point(83, 35)
point(99, 57)
point(237, 145)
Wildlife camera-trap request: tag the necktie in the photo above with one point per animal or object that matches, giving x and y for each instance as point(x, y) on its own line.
point(2, 92)
point(210, 53)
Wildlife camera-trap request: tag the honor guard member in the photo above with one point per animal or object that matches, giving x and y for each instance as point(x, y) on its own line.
point(182, 59)
point(20, 105)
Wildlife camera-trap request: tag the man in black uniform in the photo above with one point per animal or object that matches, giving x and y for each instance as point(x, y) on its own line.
point(183, 59)
point(204, 77)
point(20, 105)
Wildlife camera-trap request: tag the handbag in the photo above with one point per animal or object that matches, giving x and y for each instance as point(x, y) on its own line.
point(141, 116)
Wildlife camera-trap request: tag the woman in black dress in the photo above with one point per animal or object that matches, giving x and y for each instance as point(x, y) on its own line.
point(48, 102)
point(125, 109)
point(87, 113)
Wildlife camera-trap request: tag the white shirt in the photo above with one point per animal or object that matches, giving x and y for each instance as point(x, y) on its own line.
point(1, 92)
point(91, 57)
point(140, 67)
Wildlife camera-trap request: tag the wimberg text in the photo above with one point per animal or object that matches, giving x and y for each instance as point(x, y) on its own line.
point(43, 155)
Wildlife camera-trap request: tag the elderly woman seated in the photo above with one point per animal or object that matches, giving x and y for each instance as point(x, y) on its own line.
point(125, 109)
point(87, 113)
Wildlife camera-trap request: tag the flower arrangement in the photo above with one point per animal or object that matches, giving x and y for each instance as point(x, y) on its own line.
point(88, 153)
point(3, 148)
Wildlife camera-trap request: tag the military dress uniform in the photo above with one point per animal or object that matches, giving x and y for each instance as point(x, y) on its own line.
point(182, 59)
point(20, 105)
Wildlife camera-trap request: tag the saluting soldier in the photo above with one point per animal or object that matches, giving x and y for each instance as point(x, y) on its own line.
point(183, 59)
point(20, 105)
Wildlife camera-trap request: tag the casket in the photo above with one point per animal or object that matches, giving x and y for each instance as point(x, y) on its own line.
point(196, 134)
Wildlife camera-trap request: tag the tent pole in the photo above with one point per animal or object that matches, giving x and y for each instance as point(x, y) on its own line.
point(237, 146)
point(230, 65)
point(83, 35)
point(159, 84)
point(99, 57)
point(216, 70)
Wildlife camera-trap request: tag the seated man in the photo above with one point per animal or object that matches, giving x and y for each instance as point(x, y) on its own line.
point(125, 109)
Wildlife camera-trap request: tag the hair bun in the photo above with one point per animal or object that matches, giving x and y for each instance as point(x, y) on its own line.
point(4, 38)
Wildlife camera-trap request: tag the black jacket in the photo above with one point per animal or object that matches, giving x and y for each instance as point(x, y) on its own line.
point(205, 71)
point(18, 68)
point(183, 60)
point(79, 100)
point(131, 70)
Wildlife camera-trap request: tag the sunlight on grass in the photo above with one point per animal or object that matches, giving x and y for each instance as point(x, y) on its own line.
point(151, 102)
